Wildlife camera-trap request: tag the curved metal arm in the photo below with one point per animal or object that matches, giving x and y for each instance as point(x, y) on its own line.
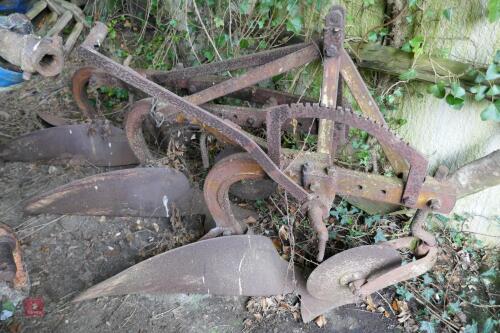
point(418, 164)
point(402, 273)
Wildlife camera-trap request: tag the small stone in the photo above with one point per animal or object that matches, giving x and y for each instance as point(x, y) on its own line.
point(320, 321)
point(52, 170)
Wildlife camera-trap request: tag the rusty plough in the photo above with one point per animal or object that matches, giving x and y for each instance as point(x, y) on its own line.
point(238, 264)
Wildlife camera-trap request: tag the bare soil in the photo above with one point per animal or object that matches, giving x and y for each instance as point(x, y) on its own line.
point(64, 255)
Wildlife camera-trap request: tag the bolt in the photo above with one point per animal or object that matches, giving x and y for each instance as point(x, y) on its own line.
point(331, 51)
point(250, 121)
point(307, 166)
point(314, 186)
point(434, 204)
point(331, 171)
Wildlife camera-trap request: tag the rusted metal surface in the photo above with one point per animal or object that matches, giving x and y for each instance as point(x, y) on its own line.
point(429, 248)
point(401, 273)
point(277, 115)
point(226, 172)
point(243, 265)
point(318, 208)
point(324, 185)
point(32, 53)
point(332, 278)
point(51, 119)
point(382, 189)
point(133, 130)
point(373, 187)
point(223, 88)
point(207, 119)
point(369, 107)
point(145, 192)
point(192, 78)
point(92, 76)
point(78, 144)
point(247, 189)
point(251, 267)
point(257, 74)
point(310, 177)
point(241, 116)
point(12, 268)
point(333, 38)
point(79, 83)
point(477, 175)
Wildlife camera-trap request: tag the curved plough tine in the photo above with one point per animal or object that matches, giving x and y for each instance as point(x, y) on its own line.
point(143, 192)
point(77, 144)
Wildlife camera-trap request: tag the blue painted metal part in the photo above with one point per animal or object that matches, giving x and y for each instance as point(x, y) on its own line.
point(9, 78)
point(14, 6)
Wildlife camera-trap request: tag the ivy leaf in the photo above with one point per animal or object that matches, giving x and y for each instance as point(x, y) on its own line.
point(489, 325)
point(219, 23)
point(454, 102)
point(427, 326)
point(262, 45)
point(479, 78)
point(8, 305)
point(412, 3)
point(244, 43)
point(371, 219)
point(427, 279)
point(372, 36)
point(492, 112)
point(404, 293)
point(471, 328)
point(380, 237)
point(479, 92)
point(454, 308)
point(492, 72)
point(441, 218)
point(221, 40)
point(209, 55)
point(406, 47)
point(457, 91)
point(245, 7)
point(368, 3)
point(493, 91)
point(437, 90)
point(447, 13)
point(173, 23)
point(294, 25)
point(489, 274)
point(416, 43)
point(493, 10)
point(408, 75)
point(428, 293)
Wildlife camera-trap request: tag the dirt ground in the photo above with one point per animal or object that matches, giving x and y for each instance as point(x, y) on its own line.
point(65, 255)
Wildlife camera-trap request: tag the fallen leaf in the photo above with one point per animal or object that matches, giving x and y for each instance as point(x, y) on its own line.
point(250, 220)
point(283, 232)
point(395, 305)
point(320, 321)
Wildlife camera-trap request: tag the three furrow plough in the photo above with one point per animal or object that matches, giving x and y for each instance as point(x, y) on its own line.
point(239, 263)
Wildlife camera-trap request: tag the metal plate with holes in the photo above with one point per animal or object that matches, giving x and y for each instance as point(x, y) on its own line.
point(330, 280)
